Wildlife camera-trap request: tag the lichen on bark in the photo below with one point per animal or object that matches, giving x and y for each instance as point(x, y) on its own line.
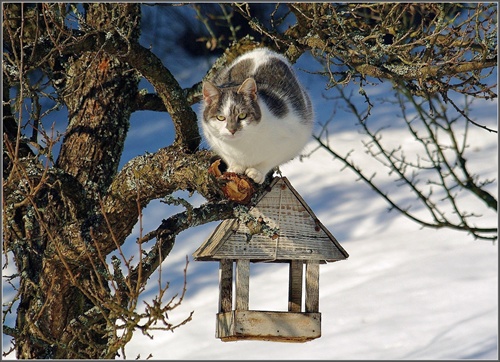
point(63, 219)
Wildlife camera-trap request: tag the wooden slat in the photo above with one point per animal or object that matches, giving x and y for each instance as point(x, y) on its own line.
point(295, 286)
point(312, 286)
point(242, 284)
point(221, 233)
point(225, 285)
point(268, 326)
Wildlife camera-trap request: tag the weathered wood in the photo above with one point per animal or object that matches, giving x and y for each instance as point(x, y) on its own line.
point(301, 235)
point(295, 286)
point(268, 326)
point(225, 285)
point(312, 287)
point(301, 238)
point(221, 233)
point(242, 284)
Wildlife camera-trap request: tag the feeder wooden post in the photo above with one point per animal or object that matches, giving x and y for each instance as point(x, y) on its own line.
point(225, 285)
point(242, 283)
point(295, 286)
point(312, 286)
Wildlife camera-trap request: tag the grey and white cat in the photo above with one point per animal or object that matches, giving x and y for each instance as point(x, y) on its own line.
point(256, 115)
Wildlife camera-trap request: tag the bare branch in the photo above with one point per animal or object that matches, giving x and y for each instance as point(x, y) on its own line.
point(441, 163)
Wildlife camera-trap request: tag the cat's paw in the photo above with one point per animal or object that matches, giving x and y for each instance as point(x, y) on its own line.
point(237, 169)
point(255, 175)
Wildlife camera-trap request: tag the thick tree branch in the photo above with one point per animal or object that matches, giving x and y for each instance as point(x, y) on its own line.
point(150, 177)
point(148, 102)
point(167, 87)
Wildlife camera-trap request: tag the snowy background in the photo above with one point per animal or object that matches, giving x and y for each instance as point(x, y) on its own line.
point(403, 293)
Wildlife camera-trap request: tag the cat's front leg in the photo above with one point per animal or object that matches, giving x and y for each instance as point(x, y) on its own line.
point(251, 172)
point(255, 175)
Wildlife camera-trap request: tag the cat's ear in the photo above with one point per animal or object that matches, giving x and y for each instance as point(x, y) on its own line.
point(210, 92)
point(248, 87)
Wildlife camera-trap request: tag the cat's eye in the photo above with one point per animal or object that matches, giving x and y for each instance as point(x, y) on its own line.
point(242, 116)
point(220, 118)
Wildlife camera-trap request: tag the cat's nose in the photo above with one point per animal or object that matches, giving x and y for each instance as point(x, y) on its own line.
point(233, 131)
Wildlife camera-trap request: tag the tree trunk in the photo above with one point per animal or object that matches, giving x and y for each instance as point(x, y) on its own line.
point(63, 281)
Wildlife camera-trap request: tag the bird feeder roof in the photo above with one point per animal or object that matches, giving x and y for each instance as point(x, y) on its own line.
point(299, 234)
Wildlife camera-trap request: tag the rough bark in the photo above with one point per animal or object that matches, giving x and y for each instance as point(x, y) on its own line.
point(50, 210)
point(61, 220)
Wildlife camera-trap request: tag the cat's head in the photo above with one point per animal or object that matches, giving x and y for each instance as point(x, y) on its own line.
point(229, 110)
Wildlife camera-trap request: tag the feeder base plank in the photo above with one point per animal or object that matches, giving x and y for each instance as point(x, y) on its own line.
point(268, 326)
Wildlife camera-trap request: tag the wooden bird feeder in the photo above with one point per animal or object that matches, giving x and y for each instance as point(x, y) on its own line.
point(300, 239)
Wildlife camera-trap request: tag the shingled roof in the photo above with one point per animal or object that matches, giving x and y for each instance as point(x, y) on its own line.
point(300, 236)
